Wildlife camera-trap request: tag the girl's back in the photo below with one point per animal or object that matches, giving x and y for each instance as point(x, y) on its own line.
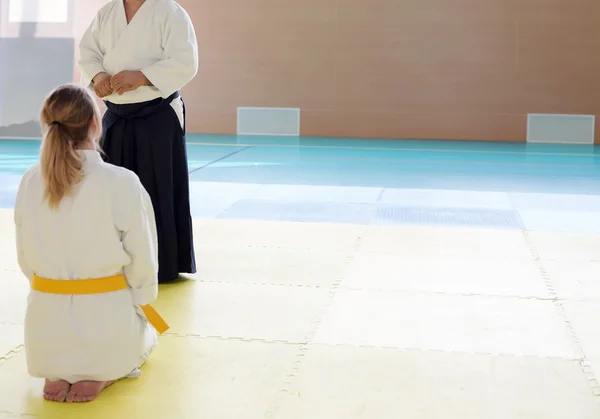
point(81, 237)
point(86, 241)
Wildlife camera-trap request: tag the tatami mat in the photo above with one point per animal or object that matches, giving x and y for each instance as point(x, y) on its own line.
point(11, 337)
point(187, 378)
point(584, 318)
point(337, 321)
point(312, 236)
point(445, 274)
point(318, 212)
point(308, 193)
point(350, 382)
point(445, 198)
point(575, 280)
point(566, 247)
point(450, 323)
point(448, 216)
point(413, 241)
point(245, 311)
point(13, 296)
point(271, 265)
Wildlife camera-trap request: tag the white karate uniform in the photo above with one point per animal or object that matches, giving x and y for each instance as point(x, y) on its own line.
point(106, 227)
point(160, 41)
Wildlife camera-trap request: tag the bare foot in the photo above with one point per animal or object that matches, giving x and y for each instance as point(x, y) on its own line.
point(86, 391)
point(56, 391)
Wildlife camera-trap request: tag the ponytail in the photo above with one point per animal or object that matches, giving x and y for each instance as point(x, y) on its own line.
point(60, 164)
point(70, 118)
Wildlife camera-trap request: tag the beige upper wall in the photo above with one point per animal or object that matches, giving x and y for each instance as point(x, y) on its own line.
point(455, 69)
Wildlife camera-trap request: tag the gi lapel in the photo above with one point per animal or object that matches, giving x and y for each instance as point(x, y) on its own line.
point(130, 34)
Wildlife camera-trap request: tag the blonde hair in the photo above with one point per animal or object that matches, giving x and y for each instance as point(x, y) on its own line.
point(67, 118)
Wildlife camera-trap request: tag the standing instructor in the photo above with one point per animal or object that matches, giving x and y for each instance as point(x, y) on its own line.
point(137, 55)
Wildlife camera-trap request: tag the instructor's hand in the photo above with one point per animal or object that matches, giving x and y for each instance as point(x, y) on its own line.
point(102, 86)
point(126, 81)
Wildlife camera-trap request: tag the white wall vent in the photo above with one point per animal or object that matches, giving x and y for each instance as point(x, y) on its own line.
point(268, 121)
point(560, 129)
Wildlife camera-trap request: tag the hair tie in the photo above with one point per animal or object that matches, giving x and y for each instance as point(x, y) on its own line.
point(55, 123)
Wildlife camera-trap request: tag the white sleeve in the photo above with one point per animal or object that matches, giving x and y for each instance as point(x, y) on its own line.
point(180, 63)
point(91, 57)
point(18, 219)
point(139, 239)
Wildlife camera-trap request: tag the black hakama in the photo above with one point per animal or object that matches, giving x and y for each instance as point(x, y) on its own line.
point(147, 138)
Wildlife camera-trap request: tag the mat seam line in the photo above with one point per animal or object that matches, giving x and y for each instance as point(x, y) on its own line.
point(397, 291)
point(19, 348)
point(362, 346)
point(11, 354)
point(9, 323)
point(303, 349)
point(4, 359)
point(219, 159)
point(586, 368)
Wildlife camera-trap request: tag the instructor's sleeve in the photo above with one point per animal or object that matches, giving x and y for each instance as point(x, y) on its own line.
point(139, 238)
point(91, 58)
point(180, 63)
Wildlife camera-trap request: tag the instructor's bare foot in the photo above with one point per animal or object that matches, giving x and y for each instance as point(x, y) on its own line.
point(56, 391)
point(86, 391)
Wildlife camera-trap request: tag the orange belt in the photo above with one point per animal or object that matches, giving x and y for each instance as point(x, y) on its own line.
point(95, 286)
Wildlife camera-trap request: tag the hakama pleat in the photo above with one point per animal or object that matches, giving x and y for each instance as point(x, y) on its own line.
point(148, 139)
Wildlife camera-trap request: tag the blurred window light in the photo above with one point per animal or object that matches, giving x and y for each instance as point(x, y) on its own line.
point(38, 11)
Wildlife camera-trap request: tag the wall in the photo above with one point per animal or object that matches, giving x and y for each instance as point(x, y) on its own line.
point(34, 58)
point(451, 69)
point(448, 69)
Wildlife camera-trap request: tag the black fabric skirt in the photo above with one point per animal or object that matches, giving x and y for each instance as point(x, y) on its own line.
point(147, 139)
